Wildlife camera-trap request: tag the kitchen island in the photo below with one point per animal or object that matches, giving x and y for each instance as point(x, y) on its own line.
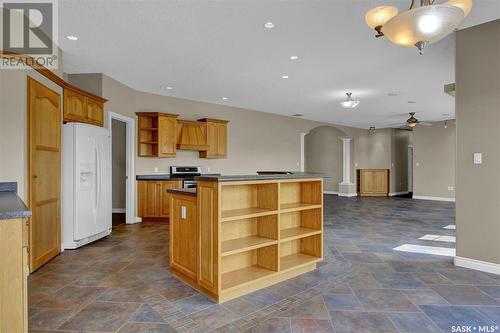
point(238, 234)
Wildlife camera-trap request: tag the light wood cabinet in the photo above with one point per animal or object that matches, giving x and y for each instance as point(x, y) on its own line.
point(184, 230)
point(373, 182)
point(216, 138)
point(83, 107)
point(157, 134)
point(152, 197)
point(249, 235)
point(14, 270)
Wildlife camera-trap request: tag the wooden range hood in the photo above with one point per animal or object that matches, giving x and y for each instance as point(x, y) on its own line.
point(191, 135)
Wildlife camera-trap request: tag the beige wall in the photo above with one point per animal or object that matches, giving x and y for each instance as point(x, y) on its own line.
point(434, 160)
point(478, 123)
point(119, 137)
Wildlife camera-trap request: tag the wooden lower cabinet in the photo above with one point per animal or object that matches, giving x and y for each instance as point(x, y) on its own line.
point(373, 182)
point(184, 231)
point(152, 197)
point(248, 234)
point(14, 270)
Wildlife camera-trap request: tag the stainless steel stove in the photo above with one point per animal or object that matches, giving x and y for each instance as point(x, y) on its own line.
point(187, 174)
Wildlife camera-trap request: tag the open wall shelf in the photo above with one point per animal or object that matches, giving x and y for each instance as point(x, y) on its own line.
point(295, 196)
point(298, 252)
point(248, 200)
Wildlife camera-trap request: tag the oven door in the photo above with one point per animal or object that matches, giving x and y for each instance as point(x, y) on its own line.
point(189, 183)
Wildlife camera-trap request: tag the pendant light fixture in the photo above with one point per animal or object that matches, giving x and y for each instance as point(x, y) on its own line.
point(418, 26)
point(349, 103)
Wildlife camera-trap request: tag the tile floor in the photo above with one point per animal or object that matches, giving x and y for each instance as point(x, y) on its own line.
point(123, 283)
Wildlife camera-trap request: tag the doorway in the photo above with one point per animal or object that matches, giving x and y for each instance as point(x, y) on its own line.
point(122, 128)
point(410, 170)
point(119, 169)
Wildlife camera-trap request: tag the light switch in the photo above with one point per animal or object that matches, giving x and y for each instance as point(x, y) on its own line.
point(418, 164)
point(156, 169)
point(183, 212)
point(478, 158)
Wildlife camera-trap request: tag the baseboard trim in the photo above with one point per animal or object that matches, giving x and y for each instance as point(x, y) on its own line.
point(424, 197)
point(478, 265)
point(347, 195)
point(331, 192)
point(118, 210)
point(393, 194)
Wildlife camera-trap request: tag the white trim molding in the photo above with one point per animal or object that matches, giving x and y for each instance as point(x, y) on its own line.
point(393, 194)
point(424, 197)
point(130, 212)
point(479, 265)
point(348, 195)
point(119, 210)
point(331, 192)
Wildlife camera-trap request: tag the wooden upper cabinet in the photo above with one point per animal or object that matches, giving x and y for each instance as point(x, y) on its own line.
point(83, 107)
point(157, 134)
point(216, 138)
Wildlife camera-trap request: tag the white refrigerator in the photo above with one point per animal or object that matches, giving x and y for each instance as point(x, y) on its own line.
point(86, 184)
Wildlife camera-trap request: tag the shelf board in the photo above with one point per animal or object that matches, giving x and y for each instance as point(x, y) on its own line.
point(149, 142)
point(244, 213)
point(297, 206)
point(245, 244)
point(296, 233)
point(243, 276)
point(149, 129)
point(295, 260)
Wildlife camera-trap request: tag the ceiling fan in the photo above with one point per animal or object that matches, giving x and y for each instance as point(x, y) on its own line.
point(411, 122)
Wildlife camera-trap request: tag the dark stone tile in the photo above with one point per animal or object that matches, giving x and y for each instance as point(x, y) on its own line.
point(69, 297)
point(262, 298)
point(175, 293)
point(146, 328)
point(213, 317)
point(367, 258)
point(101, 317)
point(49, 318)
point(311, 309)
point(193, 304)
point(398, 281)
point(361, 322)
point(240, 307)
point(342, 302)
point(281, 325)
point(384, 300)
point(120, 295)
point(422, 297)
point(413, 323)
point(493, 291)
point(311, 326)
point(146, 314)
point(492, 313)
point(464, 295)
point(467, 276)
point(447, 316)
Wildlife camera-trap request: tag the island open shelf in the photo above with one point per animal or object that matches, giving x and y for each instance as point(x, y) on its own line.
point(254, 233)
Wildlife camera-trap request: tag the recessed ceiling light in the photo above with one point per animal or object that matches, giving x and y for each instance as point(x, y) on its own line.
point(224, 98)
point(71, 37)
point(411, 102)
point(269, 25)
point(169, 88)
point(392, 94)
point(294, 57)
point(284, 76)
point(445, 114)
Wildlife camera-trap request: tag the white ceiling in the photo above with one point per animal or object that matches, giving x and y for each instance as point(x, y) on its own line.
point(208, 49)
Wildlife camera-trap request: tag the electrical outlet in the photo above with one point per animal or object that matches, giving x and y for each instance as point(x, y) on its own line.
point(156, 169)
point(478, 158)
point(183, 212)
point(417, 164)
point(208, 169)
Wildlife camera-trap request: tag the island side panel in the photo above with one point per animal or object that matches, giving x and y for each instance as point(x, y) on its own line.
point(208, 208)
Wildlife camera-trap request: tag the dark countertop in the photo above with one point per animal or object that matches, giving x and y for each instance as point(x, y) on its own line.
point(12, 207)
point(160, 176)
point(232, 178)
point(184, 191)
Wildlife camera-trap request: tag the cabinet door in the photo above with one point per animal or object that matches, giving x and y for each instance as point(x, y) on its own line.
point(184, 238)
point(167, 136)
point(380, 180)
point(148, 198)
point(75, 106)
point(164, 196)
point(95, 112)
point(367, 184)
point(221, 140)
point(212, 140)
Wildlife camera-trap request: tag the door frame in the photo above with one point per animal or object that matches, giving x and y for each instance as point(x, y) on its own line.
point(410, 168)
point(130, 193)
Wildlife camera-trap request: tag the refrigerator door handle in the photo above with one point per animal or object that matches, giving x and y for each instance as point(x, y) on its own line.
point(98, 175)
